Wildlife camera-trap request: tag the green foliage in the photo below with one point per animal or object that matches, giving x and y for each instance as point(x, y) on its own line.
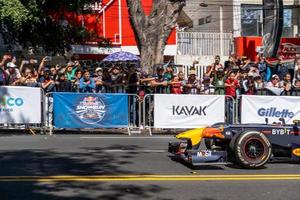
point(29, 23)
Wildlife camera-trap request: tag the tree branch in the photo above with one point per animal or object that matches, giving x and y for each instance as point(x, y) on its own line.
point(137, 18)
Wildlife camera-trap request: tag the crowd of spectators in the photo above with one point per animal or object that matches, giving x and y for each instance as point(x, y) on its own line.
point(236, 76)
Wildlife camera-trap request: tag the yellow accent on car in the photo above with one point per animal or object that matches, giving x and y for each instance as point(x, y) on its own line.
point(296, 152)
point(195, 135)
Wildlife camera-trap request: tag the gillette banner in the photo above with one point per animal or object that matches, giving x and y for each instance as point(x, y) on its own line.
point(255, 109)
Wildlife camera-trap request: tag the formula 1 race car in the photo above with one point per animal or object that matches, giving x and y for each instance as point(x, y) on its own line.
point(248, 145)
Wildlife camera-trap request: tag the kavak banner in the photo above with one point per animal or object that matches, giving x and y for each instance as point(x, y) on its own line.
point(73, 110)
point(20, 105)
point(255, 109)
point(188, 111)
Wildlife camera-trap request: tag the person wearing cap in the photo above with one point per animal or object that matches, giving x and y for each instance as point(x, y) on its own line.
point(258, 82)
point(98, 78)
point(160, 83)
point(219, 82)
point(13, 74)
point(206, 87)
point(118, 79)
point(47, 83)
point(191, 86)
point(62, 84)
point(274, 82)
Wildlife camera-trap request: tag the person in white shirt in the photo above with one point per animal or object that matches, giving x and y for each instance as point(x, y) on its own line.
point(274, 81)
point(13, 73)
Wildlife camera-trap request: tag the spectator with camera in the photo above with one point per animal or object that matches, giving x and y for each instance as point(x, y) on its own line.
point(29, 78)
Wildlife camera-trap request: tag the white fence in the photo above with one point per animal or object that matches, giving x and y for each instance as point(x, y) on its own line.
point(200, 70)
point(204, 44)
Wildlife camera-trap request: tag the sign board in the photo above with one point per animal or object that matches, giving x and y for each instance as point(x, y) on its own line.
point(20, 105)
point(255, 109)
point(73, 110)
point(188, 111)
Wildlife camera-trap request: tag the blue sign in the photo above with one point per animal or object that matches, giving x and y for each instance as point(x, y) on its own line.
point(74, 110)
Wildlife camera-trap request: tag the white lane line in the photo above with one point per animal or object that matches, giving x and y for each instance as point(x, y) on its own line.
point(130, 151)
point(127, 137)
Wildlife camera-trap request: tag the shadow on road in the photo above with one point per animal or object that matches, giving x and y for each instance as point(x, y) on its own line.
point(86, 162)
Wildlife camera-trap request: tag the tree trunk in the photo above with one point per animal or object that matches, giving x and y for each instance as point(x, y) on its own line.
point(152, 32)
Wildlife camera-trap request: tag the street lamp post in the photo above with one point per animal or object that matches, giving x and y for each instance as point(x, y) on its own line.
point(204, 5)
point(221, 30)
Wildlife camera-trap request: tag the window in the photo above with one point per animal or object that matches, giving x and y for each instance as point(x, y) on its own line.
point(251, 20)
point(201, 21)
point(205, 20)
point(208, 19)
point(287, 23)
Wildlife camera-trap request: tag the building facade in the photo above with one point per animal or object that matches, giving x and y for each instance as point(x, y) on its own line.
point(240, 17)
point(111, 20)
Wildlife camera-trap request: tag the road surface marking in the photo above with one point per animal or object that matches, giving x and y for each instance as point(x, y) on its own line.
point(261, 177)
point(127, 137)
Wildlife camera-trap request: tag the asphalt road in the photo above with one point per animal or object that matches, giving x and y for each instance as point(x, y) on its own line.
point(87, 167)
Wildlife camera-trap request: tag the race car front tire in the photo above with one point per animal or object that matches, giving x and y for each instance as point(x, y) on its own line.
point(252, 150)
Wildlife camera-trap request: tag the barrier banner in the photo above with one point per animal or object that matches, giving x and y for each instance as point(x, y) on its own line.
point(188, 111)
point(255, 109)
point(73, 110)
point(20, 105)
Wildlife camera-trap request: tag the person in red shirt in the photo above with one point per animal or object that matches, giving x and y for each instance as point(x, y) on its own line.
point(176, 86)
point(231, 84)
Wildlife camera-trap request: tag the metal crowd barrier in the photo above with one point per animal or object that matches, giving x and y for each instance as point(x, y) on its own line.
point(134, 114)
point(30, 127)
point(140, 112)
point(148, 111)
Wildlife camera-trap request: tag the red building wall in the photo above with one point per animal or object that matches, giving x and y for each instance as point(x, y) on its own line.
point(112, 22)
point(246, 46)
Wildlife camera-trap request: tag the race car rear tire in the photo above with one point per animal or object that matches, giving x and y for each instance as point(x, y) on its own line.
point(252, 150)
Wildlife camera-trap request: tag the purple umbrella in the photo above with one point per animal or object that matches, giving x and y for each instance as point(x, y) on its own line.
point(121, 56)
